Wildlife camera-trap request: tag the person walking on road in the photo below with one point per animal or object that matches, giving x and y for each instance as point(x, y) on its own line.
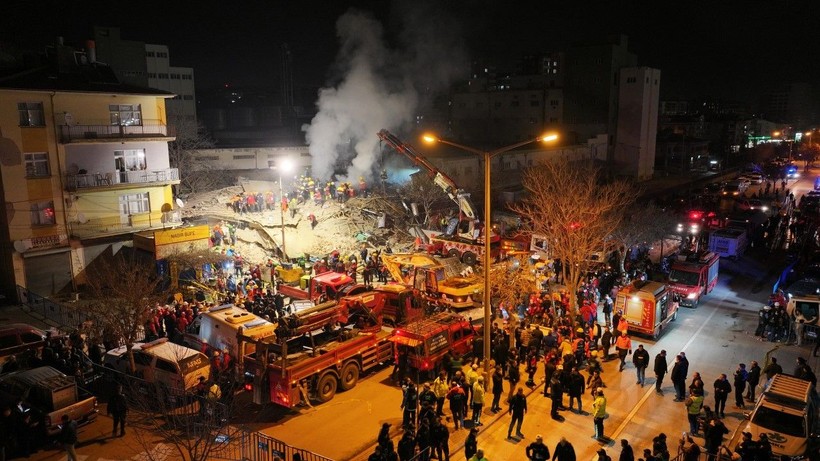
point(752, 380)
point(68, 437)
point(518, 407)
point(118, 409)
point(740, 384)
point(641, 360)
point(678, 376)
point(556, 396)
point(538, 451)
point(599, 413)
point(722, 389)
point(624, 346)
point(660, 371)
point(564, 451)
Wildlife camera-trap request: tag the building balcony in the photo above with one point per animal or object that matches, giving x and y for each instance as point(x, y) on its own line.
point(121, 179)
point(119, 225)
point(105, 132)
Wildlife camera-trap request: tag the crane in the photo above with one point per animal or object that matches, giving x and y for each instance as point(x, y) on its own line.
point(456, 194)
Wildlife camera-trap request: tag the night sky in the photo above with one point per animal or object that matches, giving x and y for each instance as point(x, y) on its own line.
point(717, 48)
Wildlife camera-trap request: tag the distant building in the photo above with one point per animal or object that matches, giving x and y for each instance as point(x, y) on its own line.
point(638, 102)
point(789, 103)
point(147, 65)
point(84, 166)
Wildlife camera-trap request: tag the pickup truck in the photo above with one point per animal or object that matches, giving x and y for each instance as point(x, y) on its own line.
point(49, 394)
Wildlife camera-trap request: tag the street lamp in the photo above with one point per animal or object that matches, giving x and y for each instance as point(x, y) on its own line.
point(487, 156)
point(284, 165)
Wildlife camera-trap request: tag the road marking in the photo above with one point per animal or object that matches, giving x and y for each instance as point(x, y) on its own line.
point(651, 389)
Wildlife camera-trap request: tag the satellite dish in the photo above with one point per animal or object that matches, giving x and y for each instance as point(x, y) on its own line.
point(81, 218)
point(20, 246)
point(180, 203)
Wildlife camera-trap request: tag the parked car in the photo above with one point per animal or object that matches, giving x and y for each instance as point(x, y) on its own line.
point(735, 188)
point(753, 178)
point(17, 339)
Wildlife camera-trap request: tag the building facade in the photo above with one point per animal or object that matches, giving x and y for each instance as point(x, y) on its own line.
point(637, 129)
point(84, 166)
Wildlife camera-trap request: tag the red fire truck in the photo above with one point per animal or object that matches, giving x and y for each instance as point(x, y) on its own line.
point(693, 276)
point(647, 306)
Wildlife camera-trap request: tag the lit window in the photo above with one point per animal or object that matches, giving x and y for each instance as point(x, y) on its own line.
point(42, 213)
point(125, 114)
point(31, 114)
point(36, 165)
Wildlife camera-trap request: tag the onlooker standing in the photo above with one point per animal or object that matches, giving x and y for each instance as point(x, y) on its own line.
point(68, 437)
point(478, 400)
point(537, 451)
point(641, 360)
point(478, 456)
point(678, 378)
point(498, 388)
point(564, 451)
point(440, 388)
point(740, 384)
point(118, 409)
point(518, 407)
point(722, 389)
point(753, 380)
point(693, 406)
point(627, 454)
point(660, 370)
point(599, 413)
point(576, 389)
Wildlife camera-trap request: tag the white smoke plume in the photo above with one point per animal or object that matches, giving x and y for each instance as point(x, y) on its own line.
point(378, 87)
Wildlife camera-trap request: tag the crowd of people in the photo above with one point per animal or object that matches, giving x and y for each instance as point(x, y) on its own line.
point(569, 347)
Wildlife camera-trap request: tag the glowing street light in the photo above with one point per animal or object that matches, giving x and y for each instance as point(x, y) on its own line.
point(487, 156)
point(284, 165)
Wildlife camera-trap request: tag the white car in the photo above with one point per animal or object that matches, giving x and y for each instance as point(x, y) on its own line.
point(753, 178)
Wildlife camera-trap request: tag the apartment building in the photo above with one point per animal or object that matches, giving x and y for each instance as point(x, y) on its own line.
point(84, 166)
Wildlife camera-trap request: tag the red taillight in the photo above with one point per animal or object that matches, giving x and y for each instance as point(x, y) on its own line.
point(248, 386)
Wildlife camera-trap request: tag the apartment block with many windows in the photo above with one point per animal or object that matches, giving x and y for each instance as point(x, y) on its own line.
point(84, 165)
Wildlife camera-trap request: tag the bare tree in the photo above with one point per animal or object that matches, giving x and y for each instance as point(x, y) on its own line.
point(641, 224)
point(511, 281)
point(123, 294)
point(195, 174)
point(425, 193)
point(569, 205)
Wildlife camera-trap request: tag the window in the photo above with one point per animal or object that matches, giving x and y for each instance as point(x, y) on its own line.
point(125, 114)
point(129, 160)
point(535, 103)
point(152, 75)
point(31, 114)
point(174, 76)
point(244, 157)
point(162, 54)
point(162, 75)
point(187, 77)
point(36, 165)
point(149, 54)
point(165, 365)
point(42, 213)
point(134, 203)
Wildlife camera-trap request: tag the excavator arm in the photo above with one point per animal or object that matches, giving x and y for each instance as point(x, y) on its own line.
point(446, 183)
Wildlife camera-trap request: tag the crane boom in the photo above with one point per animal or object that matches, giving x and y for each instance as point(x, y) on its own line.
point(447, 184)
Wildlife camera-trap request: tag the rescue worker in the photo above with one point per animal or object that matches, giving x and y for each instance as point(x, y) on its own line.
point(624, 346)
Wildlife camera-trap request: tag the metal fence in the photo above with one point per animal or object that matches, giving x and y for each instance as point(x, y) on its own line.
point(256, 446)
point(65, 317)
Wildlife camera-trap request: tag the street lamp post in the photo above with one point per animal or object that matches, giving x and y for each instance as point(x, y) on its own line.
point(487, 156)
point(284, 165)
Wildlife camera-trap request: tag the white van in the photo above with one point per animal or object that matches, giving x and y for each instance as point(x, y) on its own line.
point(218, 327)
point(162, 362)
point(786, 413)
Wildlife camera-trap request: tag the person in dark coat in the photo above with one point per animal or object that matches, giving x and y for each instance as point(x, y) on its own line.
point(641, 360)
point(722, 389)
point(441, 440)
point(564, 451)
point(537, 451)
point(713, 435)
point(740, 384)
point(68, 437)
point(471, 444)
point(118, 409)
point(660, 370)
point(627, 454)
point(753, 380)
point(498, 388)
point(678, 376)
point(556, 396)
point(407, 446)
point(606, 343)
point(518, 407)
point(576, 389)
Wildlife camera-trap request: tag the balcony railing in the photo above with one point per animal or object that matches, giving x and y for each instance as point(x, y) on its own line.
point(99, 228)
point(102, 130)
point(115, 178)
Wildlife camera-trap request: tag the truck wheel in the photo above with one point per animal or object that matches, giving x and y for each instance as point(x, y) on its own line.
point(453, 253)
point(468, 258)
point(695, 303)
point(349, 376)
point(326, 388)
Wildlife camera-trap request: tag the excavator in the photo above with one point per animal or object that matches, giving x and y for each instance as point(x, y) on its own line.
point(464, 236)
point(443, 282)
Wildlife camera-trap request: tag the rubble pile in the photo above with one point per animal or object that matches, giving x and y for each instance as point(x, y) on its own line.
point(378, 221)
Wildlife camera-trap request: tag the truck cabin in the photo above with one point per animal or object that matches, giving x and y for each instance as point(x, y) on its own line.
point(422, 345)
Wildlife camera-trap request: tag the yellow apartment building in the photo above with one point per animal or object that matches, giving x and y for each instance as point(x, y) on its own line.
point(83, 166)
